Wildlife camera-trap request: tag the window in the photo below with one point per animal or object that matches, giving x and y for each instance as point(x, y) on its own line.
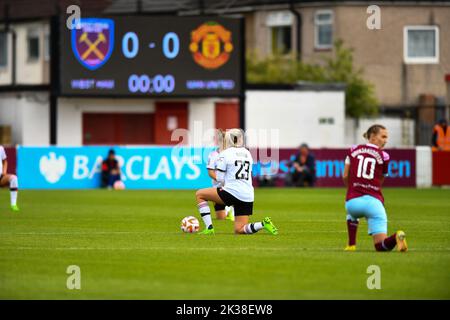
point(281, 40)
point(33, 45)
point(280, 26)
point(323, 22)
point(421, 44)
point(3, 49)
point(326, 121)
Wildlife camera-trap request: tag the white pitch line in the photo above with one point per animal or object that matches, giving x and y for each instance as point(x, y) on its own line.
point(137, 232)
point(206, 249)
point(168, 233)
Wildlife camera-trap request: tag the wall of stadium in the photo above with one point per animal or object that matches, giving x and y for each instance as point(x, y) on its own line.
point(27, 114)
point(401, 131)
point(201, 116)
point(293, 117)
point(70, 113)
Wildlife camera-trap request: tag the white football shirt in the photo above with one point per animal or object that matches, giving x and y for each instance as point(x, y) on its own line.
point(212, 164)
point(237, 164)
point(2, 157)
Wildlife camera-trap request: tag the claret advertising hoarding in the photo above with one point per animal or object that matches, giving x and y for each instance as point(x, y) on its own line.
point(330, 166)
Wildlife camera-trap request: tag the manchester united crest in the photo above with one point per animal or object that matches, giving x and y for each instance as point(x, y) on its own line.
point(92, 44)
point(211, 45)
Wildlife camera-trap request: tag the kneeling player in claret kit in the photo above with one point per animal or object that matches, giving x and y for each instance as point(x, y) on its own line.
point(366, 165)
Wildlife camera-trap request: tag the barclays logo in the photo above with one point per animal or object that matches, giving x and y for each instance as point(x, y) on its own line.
point(52, 167)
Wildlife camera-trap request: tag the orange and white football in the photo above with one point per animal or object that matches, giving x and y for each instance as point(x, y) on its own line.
point(190, 224)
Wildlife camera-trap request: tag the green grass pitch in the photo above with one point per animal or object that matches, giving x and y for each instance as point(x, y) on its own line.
point(128, 245)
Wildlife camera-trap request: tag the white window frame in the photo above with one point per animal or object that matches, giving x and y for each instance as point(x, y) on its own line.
point(276, 19)
point(420, 60)
point(279, 19)
point(316, 29)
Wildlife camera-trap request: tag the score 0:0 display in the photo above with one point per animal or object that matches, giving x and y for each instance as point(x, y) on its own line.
point(170, 45)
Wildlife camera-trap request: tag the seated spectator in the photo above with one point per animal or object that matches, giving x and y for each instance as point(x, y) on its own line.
point(110, 170)
point(302, 168)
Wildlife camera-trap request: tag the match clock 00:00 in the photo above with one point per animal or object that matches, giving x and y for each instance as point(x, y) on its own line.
point(152, 56)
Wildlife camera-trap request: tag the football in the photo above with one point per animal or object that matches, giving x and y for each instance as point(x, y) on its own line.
point(190, 224)
point(119, 185)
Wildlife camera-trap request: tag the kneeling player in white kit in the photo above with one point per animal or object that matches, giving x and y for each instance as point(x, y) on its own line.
point(222, 212)
point(234, 172)
point(8, 179)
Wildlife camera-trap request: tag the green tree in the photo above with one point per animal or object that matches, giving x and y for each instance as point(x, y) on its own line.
point(360, 94)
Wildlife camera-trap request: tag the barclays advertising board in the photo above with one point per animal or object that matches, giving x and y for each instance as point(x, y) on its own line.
point(141, 167)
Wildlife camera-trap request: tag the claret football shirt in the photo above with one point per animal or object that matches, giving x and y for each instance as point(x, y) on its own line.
point(368, 164)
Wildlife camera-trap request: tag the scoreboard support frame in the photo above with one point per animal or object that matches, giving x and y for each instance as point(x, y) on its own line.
point(54, 78)
point(243, 77)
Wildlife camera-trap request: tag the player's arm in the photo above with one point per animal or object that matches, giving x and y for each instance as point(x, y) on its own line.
point(5, 166)
point(346, 171)
point(386, 159)
point(212, 173)
point(221, 167)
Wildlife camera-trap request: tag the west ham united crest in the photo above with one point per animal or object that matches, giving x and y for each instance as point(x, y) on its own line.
point(93, 43)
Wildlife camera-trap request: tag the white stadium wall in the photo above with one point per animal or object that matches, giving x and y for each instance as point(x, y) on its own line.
point(424, 166)
point(401, 131)
point(201, 117)
point(314, 117)
point(28, 115)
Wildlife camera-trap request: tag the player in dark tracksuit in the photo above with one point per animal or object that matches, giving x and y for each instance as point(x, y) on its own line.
point(110, 170)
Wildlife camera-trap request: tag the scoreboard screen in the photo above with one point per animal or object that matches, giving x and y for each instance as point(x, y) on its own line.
point(151, 56)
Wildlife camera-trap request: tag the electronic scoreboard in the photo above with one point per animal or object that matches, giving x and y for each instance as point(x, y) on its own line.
point(152, 56)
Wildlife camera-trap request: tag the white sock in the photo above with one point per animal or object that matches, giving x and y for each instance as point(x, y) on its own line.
point(253, 227)
point(13, 198)
point(203, 208)
point(13, 186)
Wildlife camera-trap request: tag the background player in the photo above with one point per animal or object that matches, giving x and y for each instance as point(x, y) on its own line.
point(234, 171)
point(8, 180)
point(222, 212)
point(364, 172)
